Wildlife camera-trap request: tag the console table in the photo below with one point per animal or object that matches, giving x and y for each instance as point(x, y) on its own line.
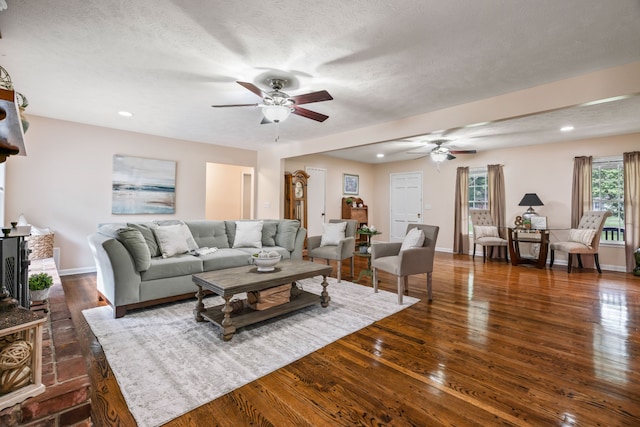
point(518, 235)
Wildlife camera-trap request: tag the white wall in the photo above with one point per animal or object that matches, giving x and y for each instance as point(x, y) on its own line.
point(64, 182)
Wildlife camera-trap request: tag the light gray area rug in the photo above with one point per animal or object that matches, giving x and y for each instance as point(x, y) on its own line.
point(168, 364)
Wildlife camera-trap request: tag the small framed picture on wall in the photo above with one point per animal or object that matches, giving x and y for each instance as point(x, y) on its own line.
point(350, 184)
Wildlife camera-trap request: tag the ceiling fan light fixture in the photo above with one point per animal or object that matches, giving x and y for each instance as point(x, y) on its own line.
point(276, 113)
point(438, 156)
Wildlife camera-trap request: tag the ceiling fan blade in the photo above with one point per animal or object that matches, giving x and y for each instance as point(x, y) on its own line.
point(308, 98)
point(462, 151)
point(450, 157)
point(309, 114)
point(253, 88)
point(265, 121)
point(235, 105)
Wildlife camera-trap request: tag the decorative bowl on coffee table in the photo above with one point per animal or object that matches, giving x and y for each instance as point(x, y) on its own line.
point(266, 262)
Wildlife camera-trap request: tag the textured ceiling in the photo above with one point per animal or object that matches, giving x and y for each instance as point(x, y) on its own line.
point(168, 61)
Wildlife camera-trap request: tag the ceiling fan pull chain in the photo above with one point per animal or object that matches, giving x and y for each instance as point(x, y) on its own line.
point(277, 131)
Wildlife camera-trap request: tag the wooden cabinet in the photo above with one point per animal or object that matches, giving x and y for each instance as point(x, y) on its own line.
point(356, 210)
point(295, 196)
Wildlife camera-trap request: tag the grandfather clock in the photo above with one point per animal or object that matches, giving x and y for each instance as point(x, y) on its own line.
point(295, 196)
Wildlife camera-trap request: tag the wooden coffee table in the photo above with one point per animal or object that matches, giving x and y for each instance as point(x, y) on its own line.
point(231, 281)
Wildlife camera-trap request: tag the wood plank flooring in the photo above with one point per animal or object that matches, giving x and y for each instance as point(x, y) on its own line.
point(499, 345)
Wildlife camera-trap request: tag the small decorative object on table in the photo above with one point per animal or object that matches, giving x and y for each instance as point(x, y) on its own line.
point(6, 232)
point(266, 261)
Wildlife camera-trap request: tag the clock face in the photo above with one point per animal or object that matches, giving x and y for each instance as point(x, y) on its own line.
point(299, 190)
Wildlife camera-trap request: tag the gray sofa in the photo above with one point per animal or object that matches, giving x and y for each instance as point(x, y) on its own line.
point(133, 273)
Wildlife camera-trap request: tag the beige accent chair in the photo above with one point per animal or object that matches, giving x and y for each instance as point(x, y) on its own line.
point(340, 252)
point(388, 257)
point(576, 244)
point(485, 236)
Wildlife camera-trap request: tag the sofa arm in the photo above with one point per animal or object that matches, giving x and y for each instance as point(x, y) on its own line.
point(117, 278)
point(299, 244)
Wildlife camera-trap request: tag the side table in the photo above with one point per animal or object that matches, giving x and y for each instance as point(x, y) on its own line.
point(368, 234)
point(517, 236)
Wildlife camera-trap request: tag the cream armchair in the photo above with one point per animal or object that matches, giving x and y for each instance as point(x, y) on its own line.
point(486, 234)
point(583, 240)
point(392, 258)
point(340, 251)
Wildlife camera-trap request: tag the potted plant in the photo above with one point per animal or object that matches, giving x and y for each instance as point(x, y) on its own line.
point(39, 285)
point(349, 201)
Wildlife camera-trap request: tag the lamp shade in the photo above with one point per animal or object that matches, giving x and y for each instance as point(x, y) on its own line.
point(530, 199)
point(276, 113)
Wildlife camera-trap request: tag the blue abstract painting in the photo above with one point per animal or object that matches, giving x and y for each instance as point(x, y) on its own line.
point(143, 186)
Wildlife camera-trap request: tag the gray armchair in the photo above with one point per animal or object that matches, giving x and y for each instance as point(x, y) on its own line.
point(592, 220)
point(388, 257)
point(343, 250)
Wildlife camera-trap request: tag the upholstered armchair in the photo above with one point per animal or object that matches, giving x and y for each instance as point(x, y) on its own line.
point(583, 240)
point(486, 234)
point(337, 243)
point(414, 255)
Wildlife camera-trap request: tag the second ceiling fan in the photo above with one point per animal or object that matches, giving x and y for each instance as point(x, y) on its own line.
point(440, 153)
point(277, 105)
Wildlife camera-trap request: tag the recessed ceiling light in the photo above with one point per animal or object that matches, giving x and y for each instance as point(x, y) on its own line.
point(125, 113)
point(379, 155)
point(567, 128)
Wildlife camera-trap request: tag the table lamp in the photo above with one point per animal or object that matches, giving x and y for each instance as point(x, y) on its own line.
point(530, 199)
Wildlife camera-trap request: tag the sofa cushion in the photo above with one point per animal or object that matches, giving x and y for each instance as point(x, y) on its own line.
point(175, 266)
point(209, 234)
point(286, 235)
point(269, 230)
point(248, 234)
point(171, 240)
point(133, 240)
point(225, 258)
point(148, 235)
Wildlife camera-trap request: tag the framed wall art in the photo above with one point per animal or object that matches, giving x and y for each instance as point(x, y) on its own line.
point(143, 186)
point(350, 184)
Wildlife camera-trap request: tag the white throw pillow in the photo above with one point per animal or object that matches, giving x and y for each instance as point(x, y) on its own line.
point(582, 235)
point(171, 240)
point(413, 239)
point(332, 233)
point(248, 234)
point(485, 231)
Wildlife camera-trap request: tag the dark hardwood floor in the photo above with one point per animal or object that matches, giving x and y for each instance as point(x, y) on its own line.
point(499, 345)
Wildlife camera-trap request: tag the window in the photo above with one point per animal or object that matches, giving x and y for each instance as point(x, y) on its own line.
point(607, 186)
point(478, 191)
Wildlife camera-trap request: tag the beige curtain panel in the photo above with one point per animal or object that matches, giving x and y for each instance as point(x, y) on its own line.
point(631, 164)
point(461, 213)
point(581, 194)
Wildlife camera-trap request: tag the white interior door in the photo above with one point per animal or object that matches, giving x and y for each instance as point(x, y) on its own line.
point(405, 203)
point(316, 200)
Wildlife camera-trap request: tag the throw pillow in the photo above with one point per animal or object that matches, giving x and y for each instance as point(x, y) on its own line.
point(135, 243)
point(332, 233)
point(582, 235)
point(248, 234)
point(149, 237)
point(171, 240)
point(191, 242)
point(485, 231)
point(413, 239)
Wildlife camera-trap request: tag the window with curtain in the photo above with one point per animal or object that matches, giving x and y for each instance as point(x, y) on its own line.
point(478, 191)
point(607, 186)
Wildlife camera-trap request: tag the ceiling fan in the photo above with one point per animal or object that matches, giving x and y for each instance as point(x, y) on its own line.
point(277, 105)
point(440, 153)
